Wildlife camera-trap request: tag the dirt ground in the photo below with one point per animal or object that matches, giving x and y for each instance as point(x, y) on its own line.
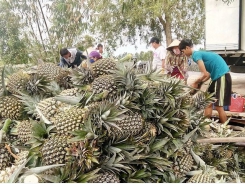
point(238, 82)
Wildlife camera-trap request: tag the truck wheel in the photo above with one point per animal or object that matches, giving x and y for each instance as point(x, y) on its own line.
point(237, 69)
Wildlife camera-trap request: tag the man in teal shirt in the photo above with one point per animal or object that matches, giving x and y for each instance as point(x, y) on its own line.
point(213, 66)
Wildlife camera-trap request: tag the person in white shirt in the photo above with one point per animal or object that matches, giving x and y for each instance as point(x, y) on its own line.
point(159, 54)
point(71, 57)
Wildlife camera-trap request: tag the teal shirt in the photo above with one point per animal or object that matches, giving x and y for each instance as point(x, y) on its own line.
point(213, 62)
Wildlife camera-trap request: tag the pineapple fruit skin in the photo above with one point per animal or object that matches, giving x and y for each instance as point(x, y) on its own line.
point(10, 107)
point(200, 178)
point(106, 177)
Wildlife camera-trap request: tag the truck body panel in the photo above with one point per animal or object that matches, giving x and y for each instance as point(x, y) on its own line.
point(225, 31)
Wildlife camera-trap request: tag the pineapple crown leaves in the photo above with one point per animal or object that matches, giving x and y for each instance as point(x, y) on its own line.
point(137, 176)
point(87, 132)
point(54, 88)
point(40, 133)
point(30, 102)
point(202, 99)
point(37, 84)
point(172, 178)
point(43, 118)
point(115, 164)
point(81, 76)
point(85, 153)
point(106, 114)
point(127, 80)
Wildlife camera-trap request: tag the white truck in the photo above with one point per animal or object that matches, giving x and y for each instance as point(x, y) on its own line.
point(225, 31)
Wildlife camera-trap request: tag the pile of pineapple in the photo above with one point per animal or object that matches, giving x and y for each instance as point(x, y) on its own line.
point(107, 123)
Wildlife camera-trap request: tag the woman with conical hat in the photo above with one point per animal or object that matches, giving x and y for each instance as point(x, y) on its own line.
point(176, 62)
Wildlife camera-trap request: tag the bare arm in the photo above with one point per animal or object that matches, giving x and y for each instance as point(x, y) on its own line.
point(205, 75)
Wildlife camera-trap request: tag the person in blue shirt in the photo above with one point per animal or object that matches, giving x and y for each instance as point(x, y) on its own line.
point(213, 66)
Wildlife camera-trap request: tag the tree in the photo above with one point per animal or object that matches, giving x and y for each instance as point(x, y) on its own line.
point(51, 25)
point(12, 46)
point(124, 20)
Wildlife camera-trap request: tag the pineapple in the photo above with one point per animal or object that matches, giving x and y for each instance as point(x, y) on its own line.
point(49, 70)
point(200, 178)
point(130, 125)
point(50, 107)
point(21, 158)
point(83, 76)
point(105, 82)
point(103, 67)
point(72, 92)
point(24, 131)
point(183, 165)
point(69, 120)
point(54, 150)
point(118, 122)
point(7, 173)
point(17, 82)
point(64, 79)
point(10, 107)
point(106, 177)
point(5, 157)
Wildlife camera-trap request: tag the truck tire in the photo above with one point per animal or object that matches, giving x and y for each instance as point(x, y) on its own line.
point(237, 69)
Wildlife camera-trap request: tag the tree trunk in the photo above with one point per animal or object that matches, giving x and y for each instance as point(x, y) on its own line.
point(167, 28)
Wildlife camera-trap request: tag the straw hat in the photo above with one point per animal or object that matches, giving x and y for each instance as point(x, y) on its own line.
point(175, 43)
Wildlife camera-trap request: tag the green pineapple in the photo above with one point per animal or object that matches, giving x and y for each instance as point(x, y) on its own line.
point(183, 164)
point(64, 79)
point(106, 177)
point(119, 122)
point(50, 107)
point(54, 150)
point(200, 178)
point(11, 107)
point(49, 70)
point(5, 157)
point(24, 131)
point(69, 120)
point(83, 76)
point(105, 82)
point(103, 67)
point(17, 82)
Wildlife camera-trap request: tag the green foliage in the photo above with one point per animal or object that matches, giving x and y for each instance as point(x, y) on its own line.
point(13, 49)
point(49, 26)
point(124, 20)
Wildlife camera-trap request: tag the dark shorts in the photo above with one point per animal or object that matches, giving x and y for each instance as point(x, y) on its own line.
point(222, 90)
